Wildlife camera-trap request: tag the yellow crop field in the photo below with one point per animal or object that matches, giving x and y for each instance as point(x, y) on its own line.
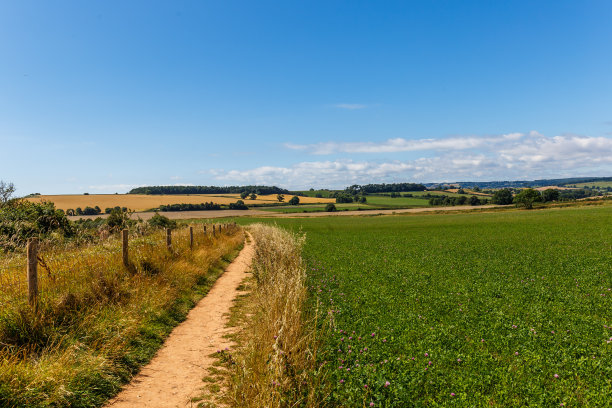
point(142, 202)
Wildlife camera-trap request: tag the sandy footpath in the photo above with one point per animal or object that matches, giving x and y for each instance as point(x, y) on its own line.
point(174, 375)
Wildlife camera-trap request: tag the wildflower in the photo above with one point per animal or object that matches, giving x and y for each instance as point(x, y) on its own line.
point(371, 404)
point(452, 394)
point(387, 383)
point(516, 353)
point(373, 334)
point(556, 376)
point(365, 386)
point(426, 354)
point(459, 360)
point(430, 363)
point(342, 381)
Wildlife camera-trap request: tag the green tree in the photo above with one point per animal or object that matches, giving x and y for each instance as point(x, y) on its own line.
point(473, 200)
point(502, 197)
point(330, 207)
point(244, 195)
point(253, 196)
point(6, 192)
point(118, 219)
point(295, 200)
point(280, 198)
point(550, 194)
point(527, 197)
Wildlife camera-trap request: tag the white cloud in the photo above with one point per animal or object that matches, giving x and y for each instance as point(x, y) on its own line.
point(504, 157)
point(350, 106)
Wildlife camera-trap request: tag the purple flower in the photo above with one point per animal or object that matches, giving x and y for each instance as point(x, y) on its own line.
point(516, 353)
point(373, 334)
point(556, 376)
point(452, 394)
point(342, 381)
point(371, 404)
point(387, 383)
point(426, 354)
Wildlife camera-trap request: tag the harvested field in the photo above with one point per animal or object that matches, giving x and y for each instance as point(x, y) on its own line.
point(142, 202)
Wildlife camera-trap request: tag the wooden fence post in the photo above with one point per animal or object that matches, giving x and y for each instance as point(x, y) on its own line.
point(204, 229)
point(32, 252)
point(213, 230)
point(169, 238)
point(124, 236)
point(191, 237)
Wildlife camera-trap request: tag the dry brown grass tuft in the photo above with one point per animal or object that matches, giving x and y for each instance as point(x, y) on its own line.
point(275, 363)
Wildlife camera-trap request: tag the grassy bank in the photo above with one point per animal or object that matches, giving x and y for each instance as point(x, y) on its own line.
point(98, 321)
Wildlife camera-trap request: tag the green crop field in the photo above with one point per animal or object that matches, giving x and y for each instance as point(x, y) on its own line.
point(491, 309)
point(596, 184)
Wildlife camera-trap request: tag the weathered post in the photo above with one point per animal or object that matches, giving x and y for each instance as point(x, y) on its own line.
point(191, 237)
point(32, 252)
point(169, 238)
point(213, 230)
point(204, 229)
point(124, 236)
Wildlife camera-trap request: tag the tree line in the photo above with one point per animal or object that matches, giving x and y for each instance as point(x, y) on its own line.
point(151, 190)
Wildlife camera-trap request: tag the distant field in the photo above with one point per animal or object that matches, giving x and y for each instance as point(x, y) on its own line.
point(504, 309)
point(141, 202)
point(600, 184)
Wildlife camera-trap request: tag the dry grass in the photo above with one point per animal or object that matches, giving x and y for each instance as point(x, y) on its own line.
point(142, 202)
point(275, 363)
point(98, 321)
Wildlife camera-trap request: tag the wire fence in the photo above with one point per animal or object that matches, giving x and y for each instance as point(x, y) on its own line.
point(62, 271)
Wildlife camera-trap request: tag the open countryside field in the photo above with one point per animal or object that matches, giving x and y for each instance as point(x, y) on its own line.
point(596, 184)
point(142, 202)
point(490, 309)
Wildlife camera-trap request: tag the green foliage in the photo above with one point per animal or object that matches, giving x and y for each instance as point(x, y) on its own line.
point(550, 194)
point(207, 190)
point(330, 207)
point(118, 219)
point(20, 220)
point(502, 197)
point(527, 197)
point(161, 221)
point(344, 198)
point(253, 196)
point(295, 200)
point(474, 200)
point(190, 207)
point(498, 302)
point(280, 198)
point(6, 192)
point(238, 205)
point(244, 195)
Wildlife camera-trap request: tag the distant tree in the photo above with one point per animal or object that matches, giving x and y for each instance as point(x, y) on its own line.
point(294, 200)
point(550, 194)
point(476, 189)
point(98, 210)
point(362, 199)
point(6, 192)
point(78, 211)
point(330, 207)
point(107, 210)
point(70, 212)
point(244, 195)
point(527, 197)
point(280, 197)
point(502, 197)
point(318, 195)
point(238, 205)
point(85, 193)
point(461, 191)
point(253, 196)
point(473, 200)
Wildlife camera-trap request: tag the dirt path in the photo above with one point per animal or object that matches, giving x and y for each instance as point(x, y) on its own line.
point(174, 376)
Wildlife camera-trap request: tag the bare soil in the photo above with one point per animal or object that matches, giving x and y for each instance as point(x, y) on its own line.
point(175, 374)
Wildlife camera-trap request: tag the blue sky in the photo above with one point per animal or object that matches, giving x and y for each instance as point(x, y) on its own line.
point(101, 96)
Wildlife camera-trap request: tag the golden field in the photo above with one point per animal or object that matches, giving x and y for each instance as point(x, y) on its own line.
point(142, 202)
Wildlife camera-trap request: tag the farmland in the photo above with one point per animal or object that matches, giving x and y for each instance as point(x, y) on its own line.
point(501, 309)
point(143, 202)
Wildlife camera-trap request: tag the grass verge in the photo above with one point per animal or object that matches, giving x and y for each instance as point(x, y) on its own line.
point(92, 333)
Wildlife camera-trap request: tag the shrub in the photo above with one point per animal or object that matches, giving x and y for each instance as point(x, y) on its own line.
point(161, 221)
point(238, 205)
point(294, 200)
point(474, 200)
point(502, 197)
point(330, 207)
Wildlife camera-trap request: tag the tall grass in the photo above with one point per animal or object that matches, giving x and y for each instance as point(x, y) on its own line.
point(97, 321)
point(274, 366)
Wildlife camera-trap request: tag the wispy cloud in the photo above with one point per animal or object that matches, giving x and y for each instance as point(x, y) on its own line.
point(350, 106)
point(510, 156)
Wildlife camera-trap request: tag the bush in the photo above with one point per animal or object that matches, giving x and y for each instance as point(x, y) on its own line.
point(527, 197)
point(238, 205)
point(161, 221)
point(330, 207)
point(294, 200)
point(502, 197)
point(344, 198)
point(474, 200)
point(20, 220)
point(118, 219)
